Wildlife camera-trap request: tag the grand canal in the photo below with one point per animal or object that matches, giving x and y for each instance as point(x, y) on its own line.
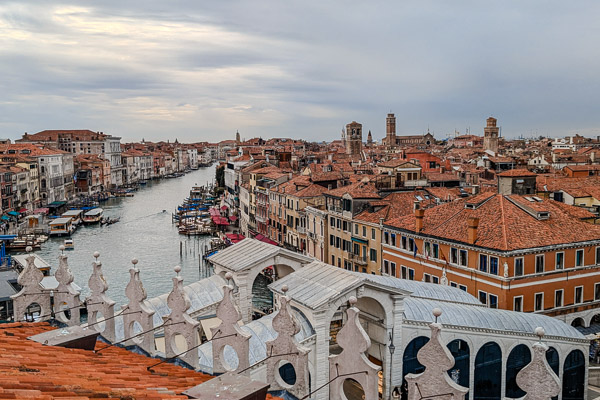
point(144, 232)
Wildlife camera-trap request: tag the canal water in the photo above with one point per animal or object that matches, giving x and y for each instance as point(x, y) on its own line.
point(144, 232)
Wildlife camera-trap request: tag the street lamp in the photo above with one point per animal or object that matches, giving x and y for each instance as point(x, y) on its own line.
point(392, 349)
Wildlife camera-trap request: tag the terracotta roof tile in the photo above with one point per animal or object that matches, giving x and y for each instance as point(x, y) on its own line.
point(29, 370)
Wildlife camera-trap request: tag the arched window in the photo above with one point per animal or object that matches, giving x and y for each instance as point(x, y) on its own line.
point(574, 376)
point(460, 372)
point(410, 364)
point(488, 372)
point(554, 362)
point(578, 322)
point(518, 358)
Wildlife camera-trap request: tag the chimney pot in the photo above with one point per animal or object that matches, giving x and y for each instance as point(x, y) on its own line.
point(419, 213)
point(472, 225)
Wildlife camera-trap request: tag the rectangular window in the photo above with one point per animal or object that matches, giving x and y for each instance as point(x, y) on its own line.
point(373, 233)
point(337, 242)
point(344, 226)
point(453, 255)
point(518, 303)
point(356, 229)
point(462, 287)
point(331, 240)
point(386, 267)
point(558, 298)
point(373, 254)
point(579, 295)
point(427, 249)
point(333, 260)
point(494, 265)
point(539, 263)
point(519, 266)
point(411, 274)
point(386, 238)
point(338, 223)
point(364, 231)
point(597, 291)
point(539, 302)
point(404, 270)
point(493, 301)
point(560, 260)
point(462, 258)
point(403, 242)
point(393, 239)
point(579, 258)
point(435, 279)
point(436, 251)
point(453, 284)
point(483, 262)
point(427, 277)
point(597, 255)
point(393, 268)
point(483, 297)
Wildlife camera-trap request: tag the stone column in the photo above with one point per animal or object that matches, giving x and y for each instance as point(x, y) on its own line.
point(66, 296)
point(98, 301)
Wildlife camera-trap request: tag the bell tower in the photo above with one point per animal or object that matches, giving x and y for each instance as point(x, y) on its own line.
point(490, 135)
point(390, 130)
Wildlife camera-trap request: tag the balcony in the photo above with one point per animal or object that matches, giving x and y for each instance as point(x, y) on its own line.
point(312, 236)
point(356, 259)
point(301, 229)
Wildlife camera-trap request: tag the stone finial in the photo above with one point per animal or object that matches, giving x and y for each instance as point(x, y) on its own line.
point(138, 312)
point(62, 248)
point(178, 322)
point(99, 302)
point(437, 359)
point(537, 379)
point(31, 291)
point(66, 296)
point(444, 280)
point(352, 361)
point(286, 326)
point(229, 315)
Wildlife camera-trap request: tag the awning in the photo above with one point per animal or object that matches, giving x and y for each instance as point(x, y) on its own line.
point(13, 213)
point(359, 240)
point(5, 218)
point(23, 210)
point(265, 239)
point(42, 210)
point(220, 220)
point(224, 208)
point(233, 218)
point(56, 204)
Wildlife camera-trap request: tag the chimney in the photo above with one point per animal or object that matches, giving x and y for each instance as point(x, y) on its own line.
point(472, 224)
point(475, 189)
point(381, 222)
point(592, 156)
point(419, 219)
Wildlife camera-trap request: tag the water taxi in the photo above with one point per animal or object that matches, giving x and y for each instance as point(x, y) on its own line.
point(61, 226)
point(93, 216)
point(69, 245)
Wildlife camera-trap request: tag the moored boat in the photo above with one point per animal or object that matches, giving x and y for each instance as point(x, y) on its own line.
point(93, 216)
point(69, 245)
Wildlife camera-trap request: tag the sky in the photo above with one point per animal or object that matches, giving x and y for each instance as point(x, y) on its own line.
point(201, 70)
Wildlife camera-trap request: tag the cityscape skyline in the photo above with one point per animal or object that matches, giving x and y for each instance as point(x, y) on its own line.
point(202, 72)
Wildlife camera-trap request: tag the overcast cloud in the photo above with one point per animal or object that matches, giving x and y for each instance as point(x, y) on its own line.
point(200, 70)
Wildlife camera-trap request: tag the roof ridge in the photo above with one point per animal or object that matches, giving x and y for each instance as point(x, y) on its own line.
point(504, 237)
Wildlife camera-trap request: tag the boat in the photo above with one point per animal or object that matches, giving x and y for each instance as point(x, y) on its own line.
point(75, 216)
point(61, 226)
point(109, 221)
point(69, 244)
point(143, 182)
point(93, 216)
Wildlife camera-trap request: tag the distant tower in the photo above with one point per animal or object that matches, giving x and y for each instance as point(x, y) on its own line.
point(390, 130)
point(354, 138)
point(490, 135)
point(237, 138)
point(369, 139)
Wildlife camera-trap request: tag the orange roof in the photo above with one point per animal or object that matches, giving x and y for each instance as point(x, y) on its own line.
point(517, 173)
point(31, 370)
point(358, 190)
point(504, 224)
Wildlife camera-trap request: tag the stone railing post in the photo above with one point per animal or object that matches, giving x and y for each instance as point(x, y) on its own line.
point(537, 378)
point(285, 348)
point(99, 303)
point(66, 298)
point(137, 312)
point(437, 360)
point(228, 333)
point(31, 293)
point(179, 326)
point(352, 363)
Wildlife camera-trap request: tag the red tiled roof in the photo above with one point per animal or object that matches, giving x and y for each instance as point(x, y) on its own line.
point(503, 225)
point(31, 370)
point(517, 173)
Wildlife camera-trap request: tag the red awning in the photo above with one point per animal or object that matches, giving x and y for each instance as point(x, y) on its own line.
point(23, 210)
point(43, 210)
point(265, 239)
point(233, 218)
point(220, 220)
point(214, 212)
point(224, 208)
point(235, 237)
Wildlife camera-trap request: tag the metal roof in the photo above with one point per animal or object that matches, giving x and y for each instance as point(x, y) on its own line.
point(262, 331)
point(6, 289)
point(318, 283)
point(416, 309)
point(249, 251)
point(424, 289)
